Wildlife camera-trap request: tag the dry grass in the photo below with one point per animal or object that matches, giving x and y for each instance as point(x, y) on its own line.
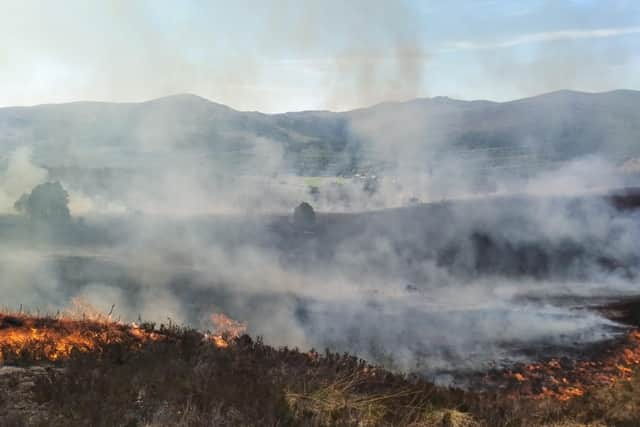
point(341, 401)
point(447, 418)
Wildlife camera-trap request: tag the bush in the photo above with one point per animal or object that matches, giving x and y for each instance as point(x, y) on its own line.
point(48, 202)
point(304, 216)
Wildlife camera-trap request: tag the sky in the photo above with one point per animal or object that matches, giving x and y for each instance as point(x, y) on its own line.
point(288, 55)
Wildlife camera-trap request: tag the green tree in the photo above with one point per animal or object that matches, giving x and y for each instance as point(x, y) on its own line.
point(304, 216)
point(47, 202)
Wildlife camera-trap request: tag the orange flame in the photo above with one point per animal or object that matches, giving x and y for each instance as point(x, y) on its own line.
point(225, 329)
point(551, 379)
point(56, 338)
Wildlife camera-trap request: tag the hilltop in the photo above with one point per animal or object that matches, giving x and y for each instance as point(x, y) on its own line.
point(553, 127)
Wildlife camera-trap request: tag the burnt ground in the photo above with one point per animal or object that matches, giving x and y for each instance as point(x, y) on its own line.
point(568, 371)
point(625, 311)
point(17, 394)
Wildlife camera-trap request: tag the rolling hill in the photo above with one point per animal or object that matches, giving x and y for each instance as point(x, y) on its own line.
point(554, 127)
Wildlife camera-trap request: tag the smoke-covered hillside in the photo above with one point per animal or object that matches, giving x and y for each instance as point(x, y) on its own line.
point(535, 132)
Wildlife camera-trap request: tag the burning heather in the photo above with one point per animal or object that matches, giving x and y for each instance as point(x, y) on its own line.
point(51, 339)
point(566, 378)
point(133, 368)
point(41, 339)
point(55, 339)
point(225, 329)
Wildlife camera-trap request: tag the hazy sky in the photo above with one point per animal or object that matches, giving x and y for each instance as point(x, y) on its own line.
point(279, 55)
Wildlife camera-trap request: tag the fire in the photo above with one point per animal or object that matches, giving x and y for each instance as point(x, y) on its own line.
point(519, 377)
point(566, 379)
point(56, 338)
point(225, 329)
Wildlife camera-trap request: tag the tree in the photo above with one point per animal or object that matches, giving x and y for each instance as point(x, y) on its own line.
point(47, 202)
point(304, 216)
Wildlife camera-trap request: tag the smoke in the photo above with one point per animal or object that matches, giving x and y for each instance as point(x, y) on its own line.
point(498, 263)
point(19, 177)
point(428, 288)
point(155, 50)
point(182, 219)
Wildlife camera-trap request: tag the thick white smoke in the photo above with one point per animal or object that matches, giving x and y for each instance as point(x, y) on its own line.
point(476, 275)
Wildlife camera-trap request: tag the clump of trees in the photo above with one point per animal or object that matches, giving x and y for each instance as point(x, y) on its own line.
point(48, 202)
point(304, 216)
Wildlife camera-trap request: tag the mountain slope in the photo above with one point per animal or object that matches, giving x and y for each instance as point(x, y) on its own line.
point(557, 126)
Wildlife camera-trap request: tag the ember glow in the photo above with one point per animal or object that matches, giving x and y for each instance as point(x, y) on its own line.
point(566, 378)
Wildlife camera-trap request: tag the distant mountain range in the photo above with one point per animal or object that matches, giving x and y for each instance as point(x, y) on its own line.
point(554, 127)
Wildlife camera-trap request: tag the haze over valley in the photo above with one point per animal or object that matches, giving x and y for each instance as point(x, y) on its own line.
point(471, 217)
point(280, 205)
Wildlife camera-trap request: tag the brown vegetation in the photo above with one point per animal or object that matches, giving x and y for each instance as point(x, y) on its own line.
point(182, 378)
